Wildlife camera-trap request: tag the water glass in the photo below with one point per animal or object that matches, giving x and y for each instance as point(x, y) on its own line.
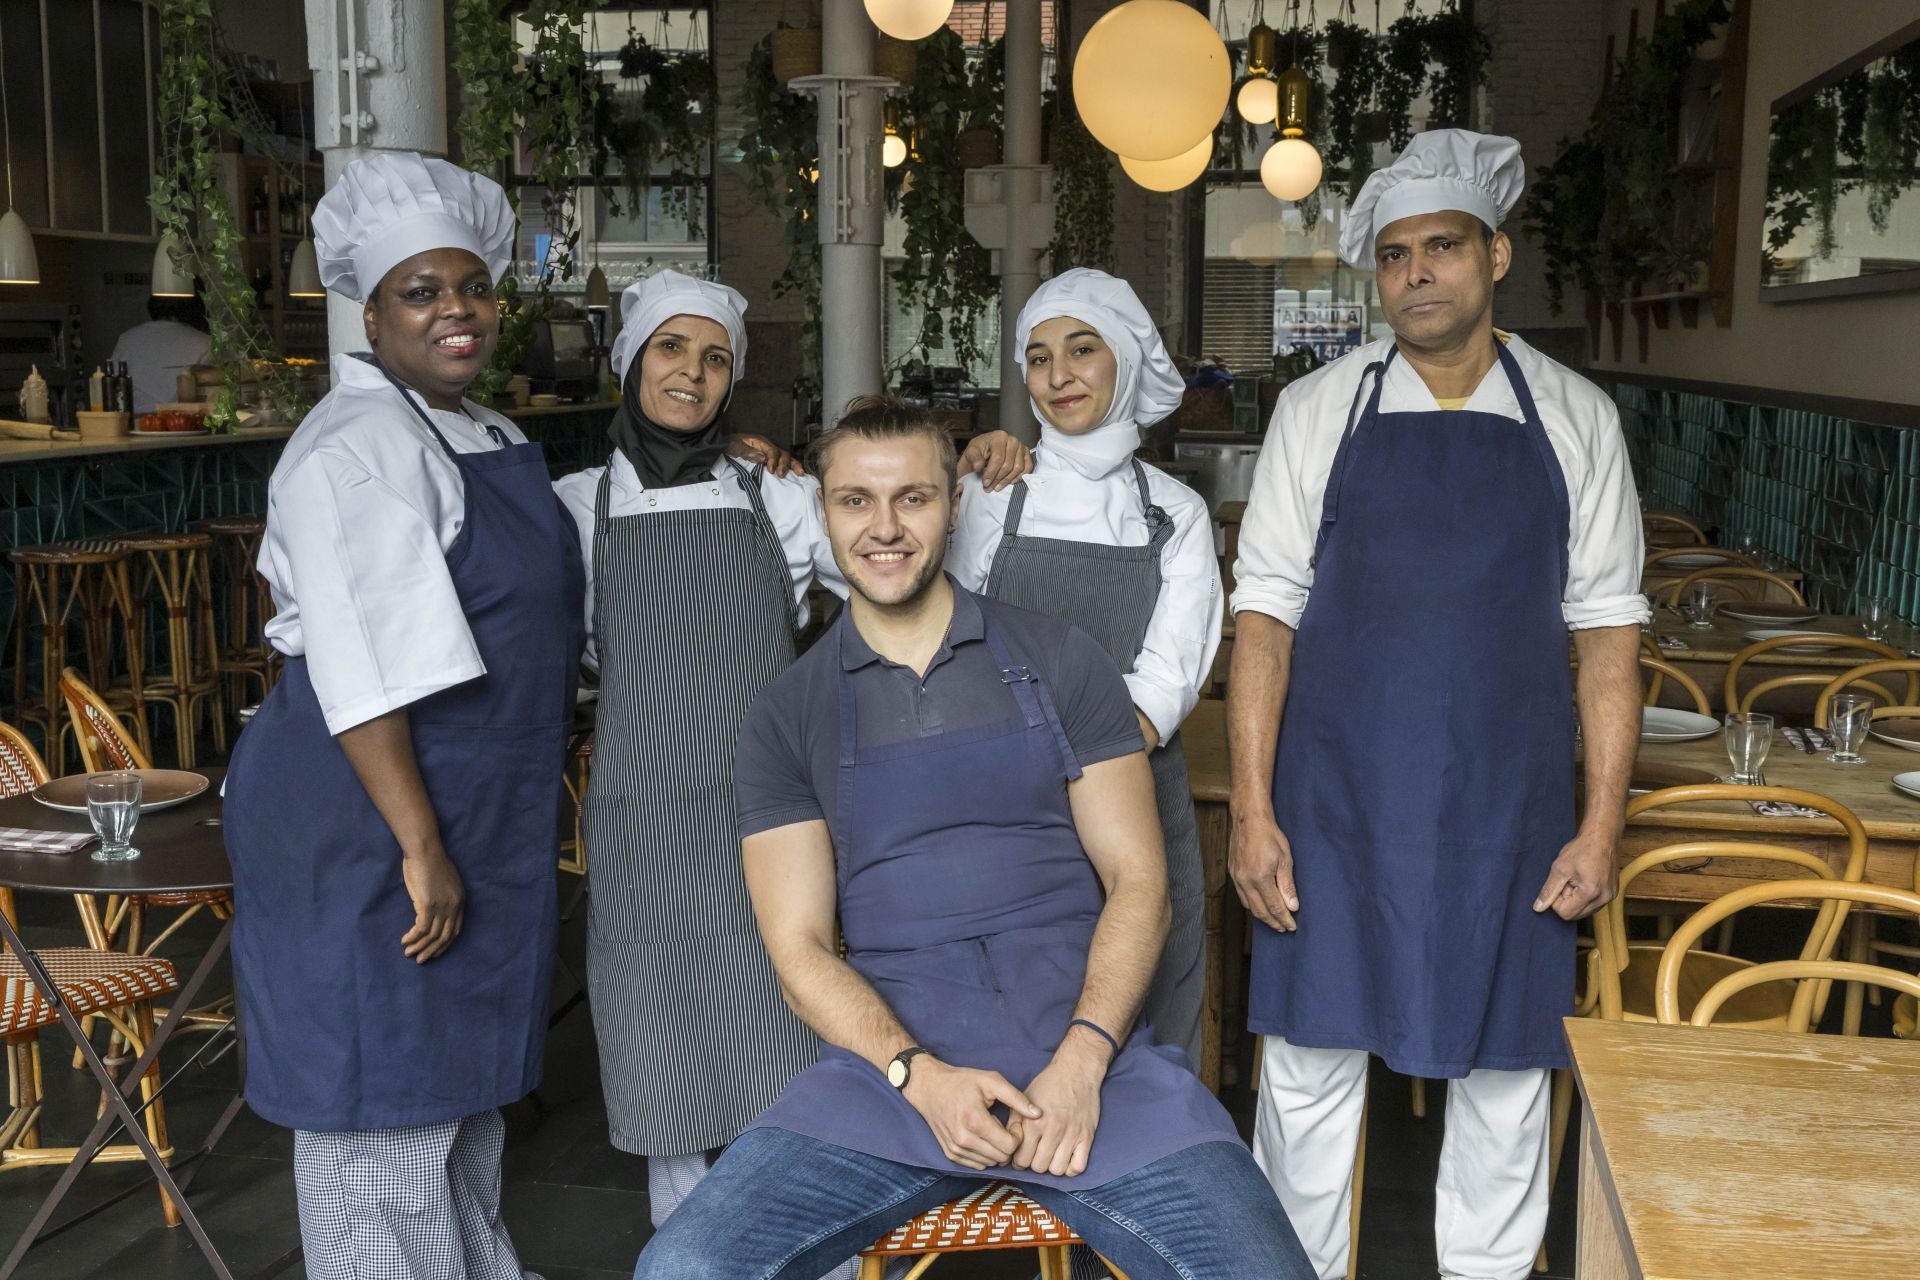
point(1699, 606)
point(1876, 617)
point(1749, 735)
point(113, 806)
point(1848, 716)
point(1747, 543)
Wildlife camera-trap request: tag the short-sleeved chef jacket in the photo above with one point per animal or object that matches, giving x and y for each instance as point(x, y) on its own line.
point(789, 752)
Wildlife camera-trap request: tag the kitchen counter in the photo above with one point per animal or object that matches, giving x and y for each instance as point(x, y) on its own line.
point(12, 451)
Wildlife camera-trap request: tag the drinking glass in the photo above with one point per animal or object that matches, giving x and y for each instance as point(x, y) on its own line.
point(1847, 718)
point(113, 806)
point(1747, 543)
point(1699, 606)
point(1749, 734)
point(1875, 617)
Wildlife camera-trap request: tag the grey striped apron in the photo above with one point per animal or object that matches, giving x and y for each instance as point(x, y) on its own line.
point(693, 617)
point(1110, 593)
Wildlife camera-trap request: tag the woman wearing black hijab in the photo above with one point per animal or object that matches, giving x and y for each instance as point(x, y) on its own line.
point(698, 569)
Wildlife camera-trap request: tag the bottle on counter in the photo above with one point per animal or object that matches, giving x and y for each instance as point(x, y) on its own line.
point(34, 398)
point(97, 390)
point(123, 389)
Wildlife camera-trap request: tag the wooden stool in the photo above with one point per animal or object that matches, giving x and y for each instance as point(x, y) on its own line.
point(178, 571)
point(996, 1216)
point(55, 583)
point(247, 605)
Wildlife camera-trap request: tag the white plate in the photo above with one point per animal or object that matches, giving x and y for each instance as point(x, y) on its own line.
point(1822, 642)
point(1740, 614)
point(1699, 560)
point(1907, 782)
point(1900, 732)
point(161, 789)
point(1669, 724)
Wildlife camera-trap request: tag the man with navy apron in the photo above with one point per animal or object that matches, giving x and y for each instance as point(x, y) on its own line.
point(391, 811)
point(1431, 516)
point(950, 840)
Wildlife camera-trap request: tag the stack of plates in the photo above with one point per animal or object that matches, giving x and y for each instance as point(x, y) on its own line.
point(1818, 641)
point(1666, 724)
point(1767, 613)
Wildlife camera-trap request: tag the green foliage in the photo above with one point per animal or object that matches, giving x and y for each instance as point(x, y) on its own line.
point(780, 150)
point(1082, 196)
point(493, 95)
point(664, 111)
point(203, 99)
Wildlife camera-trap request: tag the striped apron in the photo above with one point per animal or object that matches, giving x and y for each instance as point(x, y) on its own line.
point(693, 618)
point(1110, 593)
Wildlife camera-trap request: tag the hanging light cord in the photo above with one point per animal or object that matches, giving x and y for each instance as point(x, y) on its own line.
point(6, 121)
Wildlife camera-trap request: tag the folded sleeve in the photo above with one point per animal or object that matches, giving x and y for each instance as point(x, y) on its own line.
point(1176, 657)
point(381, 622)
point(1274, 570)
point(1605, 548)
point(772, 775)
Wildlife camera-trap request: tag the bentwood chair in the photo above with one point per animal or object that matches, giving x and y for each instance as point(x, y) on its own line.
point(1742, 582)
point(95, 984)
point(1780, 649)
point(996, 1216)
point(1662, 529)
point(1660, 671)
point(1886, 707)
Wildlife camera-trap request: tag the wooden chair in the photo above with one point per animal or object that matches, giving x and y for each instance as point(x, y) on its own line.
point(997, 1216)
point(1228, 517)
point(1730, 688)
point(1744, 582)
point(1809, 975)
point(1662, 528)
point(1663, 671)
point(190, 680)
point(95, 984)
point(573, 849)
point(1858, 675)
point(56, 584)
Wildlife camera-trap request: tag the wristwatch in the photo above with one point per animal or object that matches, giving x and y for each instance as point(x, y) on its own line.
point(900, 1070)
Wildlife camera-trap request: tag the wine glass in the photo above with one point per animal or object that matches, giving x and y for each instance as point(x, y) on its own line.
point(113, 806)
point(1848, 716)
point(1749, 734)
point(1747, 543)
point(1876, 616)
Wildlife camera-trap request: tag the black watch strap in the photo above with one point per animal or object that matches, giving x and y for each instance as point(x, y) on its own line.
point(900, 1070)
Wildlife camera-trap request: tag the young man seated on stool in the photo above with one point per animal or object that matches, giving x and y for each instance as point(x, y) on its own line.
point(961, 786)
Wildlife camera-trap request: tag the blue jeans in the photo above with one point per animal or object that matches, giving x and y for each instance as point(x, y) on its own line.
point(779, 1206)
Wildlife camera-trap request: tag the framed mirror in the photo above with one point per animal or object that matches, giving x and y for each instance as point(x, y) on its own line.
point(1843, 178)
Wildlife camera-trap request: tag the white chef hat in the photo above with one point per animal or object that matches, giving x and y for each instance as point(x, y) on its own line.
point(647, 304)
point(1110, 307)
point(1442, 169)
point(393, 204)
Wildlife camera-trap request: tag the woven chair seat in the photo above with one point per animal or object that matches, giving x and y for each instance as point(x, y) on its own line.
point(74, 551)
point(240, 526)
point(165, 541)
point(997, 1216)
point(89, 982)
point(189, 898)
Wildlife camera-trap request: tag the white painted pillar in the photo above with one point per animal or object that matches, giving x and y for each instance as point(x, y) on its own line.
point(379, 84)
point(850, 211)
point(1029, 185)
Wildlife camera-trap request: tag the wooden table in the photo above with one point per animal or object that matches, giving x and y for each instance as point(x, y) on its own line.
point(1709, 650)
point(1204, 738)
point(1891, 818)
point(1711, 1154)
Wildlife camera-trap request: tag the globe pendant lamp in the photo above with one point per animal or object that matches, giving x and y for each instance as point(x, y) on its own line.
point(1258, 98)
point(1150, 77)
point(893, 147)
point(19, 263)
point(1171, 175)
point(303, 274)
point(909, 19)
point(170, 280)
point(1290, 170)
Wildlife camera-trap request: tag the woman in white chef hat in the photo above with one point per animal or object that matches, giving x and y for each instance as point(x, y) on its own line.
point(698, 572)
point(391, 809)
point(1119, 548)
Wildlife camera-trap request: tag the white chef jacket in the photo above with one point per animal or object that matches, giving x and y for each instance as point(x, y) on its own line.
point(1604, 544)
point(792, 504)
point(1176, 658)
point(360, 512)
point(155, 353)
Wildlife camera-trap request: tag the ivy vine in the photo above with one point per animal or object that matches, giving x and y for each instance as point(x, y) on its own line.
point(780, 151)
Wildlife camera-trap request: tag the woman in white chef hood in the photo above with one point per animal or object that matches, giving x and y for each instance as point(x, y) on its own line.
point(1120, 549)
point(390, 810)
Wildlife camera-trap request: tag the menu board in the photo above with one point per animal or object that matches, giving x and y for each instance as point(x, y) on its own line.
point(1330, 331)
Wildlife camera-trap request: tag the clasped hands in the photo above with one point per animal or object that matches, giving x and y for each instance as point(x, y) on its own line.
point(1050, 1126)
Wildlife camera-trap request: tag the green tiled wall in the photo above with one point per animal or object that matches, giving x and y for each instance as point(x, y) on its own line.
point(1839, 498)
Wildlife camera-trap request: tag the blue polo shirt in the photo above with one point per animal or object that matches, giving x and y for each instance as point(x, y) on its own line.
point(787, 761)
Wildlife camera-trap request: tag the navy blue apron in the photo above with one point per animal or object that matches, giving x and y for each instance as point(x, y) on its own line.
point(343, 1031)
point(1424, 776)
point(973, 922)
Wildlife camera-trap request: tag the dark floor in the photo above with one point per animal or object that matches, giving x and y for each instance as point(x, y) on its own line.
point(577, 1207)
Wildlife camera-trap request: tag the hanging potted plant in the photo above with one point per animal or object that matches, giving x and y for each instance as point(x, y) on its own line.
point(780, 151)
point(1402, 75)
point(943, 268)
point(978, 144)
point(1348, 101)
point(795, 47)
point(897, 60)
point(1458, 52)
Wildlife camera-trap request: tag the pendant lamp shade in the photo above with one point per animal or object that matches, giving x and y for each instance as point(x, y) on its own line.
point(1258, 100)
point(169, 280)
point(303, 276)
point(1150, 77)
point(598, 295)
point(19, 264)
point(1291, 169)
point(1171, 175)
point(909, 19)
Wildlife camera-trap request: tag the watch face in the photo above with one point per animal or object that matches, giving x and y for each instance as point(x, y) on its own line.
point(897, 1074)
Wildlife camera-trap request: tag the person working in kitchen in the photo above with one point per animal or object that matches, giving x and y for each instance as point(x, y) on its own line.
point(1430, 517)
point(698, 575)
point(172, 340)
point(1121, 550)
point(957, 788)
point(391, 809)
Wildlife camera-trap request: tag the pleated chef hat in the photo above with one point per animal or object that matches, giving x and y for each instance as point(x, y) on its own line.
point(1442, 169)
point(647, 304)
point(1109, 305)
point(393, 204)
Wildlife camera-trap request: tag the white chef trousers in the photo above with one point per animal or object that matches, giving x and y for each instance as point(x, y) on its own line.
point(1490, 1208)
point(405, 1204)
point(671, 1179)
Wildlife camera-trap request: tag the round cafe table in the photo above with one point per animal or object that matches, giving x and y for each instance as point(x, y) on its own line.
point(181, 851)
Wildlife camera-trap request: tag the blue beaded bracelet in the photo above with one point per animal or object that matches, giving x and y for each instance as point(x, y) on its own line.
point(1098, 1030)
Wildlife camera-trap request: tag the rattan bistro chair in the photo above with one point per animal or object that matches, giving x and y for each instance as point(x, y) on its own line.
point(1659, 672)
point(1780, 649)
point(996, 1216)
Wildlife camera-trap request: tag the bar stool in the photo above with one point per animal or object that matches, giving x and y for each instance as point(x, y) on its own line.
point(246, 606)
point(177, 571)
point(54, 584)
point(997, 1216)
